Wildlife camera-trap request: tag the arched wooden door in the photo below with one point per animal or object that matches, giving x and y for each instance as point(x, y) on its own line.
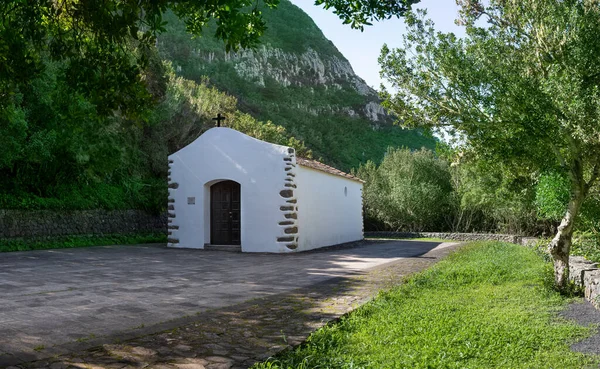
point(225, 220)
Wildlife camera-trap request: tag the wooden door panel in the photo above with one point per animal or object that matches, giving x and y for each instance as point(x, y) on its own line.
point(225, 204)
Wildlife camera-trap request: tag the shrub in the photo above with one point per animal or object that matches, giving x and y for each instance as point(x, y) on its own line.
point(409, 191)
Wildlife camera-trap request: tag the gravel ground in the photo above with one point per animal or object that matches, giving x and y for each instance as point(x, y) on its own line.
point(584, 313)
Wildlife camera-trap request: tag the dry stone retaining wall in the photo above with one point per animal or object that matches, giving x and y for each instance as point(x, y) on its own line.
point(47, 224)
point(586, 275)
point(451, 236)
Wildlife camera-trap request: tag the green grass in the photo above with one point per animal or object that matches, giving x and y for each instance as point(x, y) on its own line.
point(488, 305)
point(80, 241)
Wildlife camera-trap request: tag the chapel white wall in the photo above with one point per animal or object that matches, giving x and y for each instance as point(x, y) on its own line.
point(225, 154)
point(329, 209)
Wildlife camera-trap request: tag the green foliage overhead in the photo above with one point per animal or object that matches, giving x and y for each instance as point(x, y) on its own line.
point(522, 88)
point(552, 195)
point(364, 12)
point(489, 305)
point(93, 37)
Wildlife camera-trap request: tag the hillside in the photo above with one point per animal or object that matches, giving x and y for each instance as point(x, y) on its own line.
point(61, 152)
point(296, 79)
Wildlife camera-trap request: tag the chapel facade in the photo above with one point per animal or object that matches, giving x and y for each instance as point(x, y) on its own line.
point(227, 189)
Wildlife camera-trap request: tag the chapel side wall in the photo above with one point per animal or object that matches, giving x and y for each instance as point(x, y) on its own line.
point(225, 154)
point(327, 214)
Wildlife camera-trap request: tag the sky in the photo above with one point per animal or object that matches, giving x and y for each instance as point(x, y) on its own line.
point(362, 48)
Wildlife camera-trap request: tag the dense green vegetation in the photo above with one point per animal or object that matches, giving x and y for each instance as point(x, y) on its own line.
point(71, 148)
point(64, 150)
point(409, 191)
point(310, 112)
point(424, 191)
point(521, 88)
point(94, 38)
point(493, 306)
point(63, 155)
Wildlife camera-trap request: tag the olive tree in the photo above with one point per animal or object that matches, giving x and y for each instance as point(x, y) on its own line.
point(522, 87)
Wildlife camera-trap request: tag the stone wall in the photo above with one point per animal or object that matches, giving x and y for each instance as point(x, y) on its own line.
point(451, 236)
point(586, 275)
point(47, 224)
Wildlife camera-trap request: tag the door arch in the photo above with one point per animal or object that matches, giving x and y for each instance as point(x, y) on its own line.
point(225, 213)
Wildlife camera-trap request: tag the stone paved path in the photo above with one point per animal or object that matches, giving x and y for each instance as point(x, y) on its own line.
point(239, 334)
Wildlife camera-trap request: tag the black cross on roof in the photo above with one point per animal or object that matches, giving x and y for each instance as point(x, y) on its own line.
point(219, 118)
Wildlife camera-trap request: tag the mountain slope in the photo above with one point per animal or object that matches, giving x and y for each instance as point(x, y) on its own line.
point(59, 153)
point(296, 79)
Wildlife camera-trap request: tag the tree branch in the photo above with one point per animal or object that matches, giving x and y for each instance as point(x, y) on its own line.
point(593, 178)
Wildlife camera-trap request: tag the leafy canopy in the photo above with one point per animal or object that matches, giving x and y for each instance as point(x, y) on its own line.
point(359, 13)
point(522, 88)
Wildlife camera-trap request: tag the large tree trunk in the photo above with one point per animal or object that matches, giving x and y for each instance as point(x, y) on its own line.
point(560, 246)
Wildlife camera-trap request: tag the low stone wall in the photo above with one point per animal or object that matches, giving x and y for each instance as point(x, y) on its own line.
point(586, 275)
point(47, 224)
point(451, 236)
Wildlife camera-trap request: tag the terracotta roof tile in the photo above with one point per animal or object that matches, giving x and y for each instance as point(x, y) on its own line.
point(326, 168)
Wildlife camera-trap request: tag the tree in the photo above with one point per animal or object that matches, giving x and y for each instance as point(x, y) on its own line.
point(522, 88)
point(104, 44)
point(409, 191)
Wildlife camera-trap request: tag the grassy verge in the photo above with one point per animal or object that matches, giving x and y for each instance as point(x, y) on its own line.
point(487, 306)
point(80, 241)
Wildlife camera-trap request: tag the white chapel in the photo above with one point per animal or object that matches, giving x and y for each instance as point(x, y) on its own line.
point(229, 189)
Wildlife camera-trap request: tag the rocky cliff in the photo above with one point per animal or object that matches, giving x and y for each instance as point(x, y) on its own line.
point(307, 70)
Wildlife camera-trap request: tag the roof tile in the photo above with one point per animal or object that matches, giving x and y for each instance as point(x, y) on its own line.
point(326, 168)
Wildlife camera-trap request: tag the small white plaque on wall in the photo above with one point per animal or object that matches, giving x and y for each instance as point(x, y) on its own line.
point(191, 201)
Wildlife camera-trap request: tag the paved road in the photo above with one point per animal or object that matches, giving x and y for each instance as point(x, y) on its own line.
point(53, 299)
